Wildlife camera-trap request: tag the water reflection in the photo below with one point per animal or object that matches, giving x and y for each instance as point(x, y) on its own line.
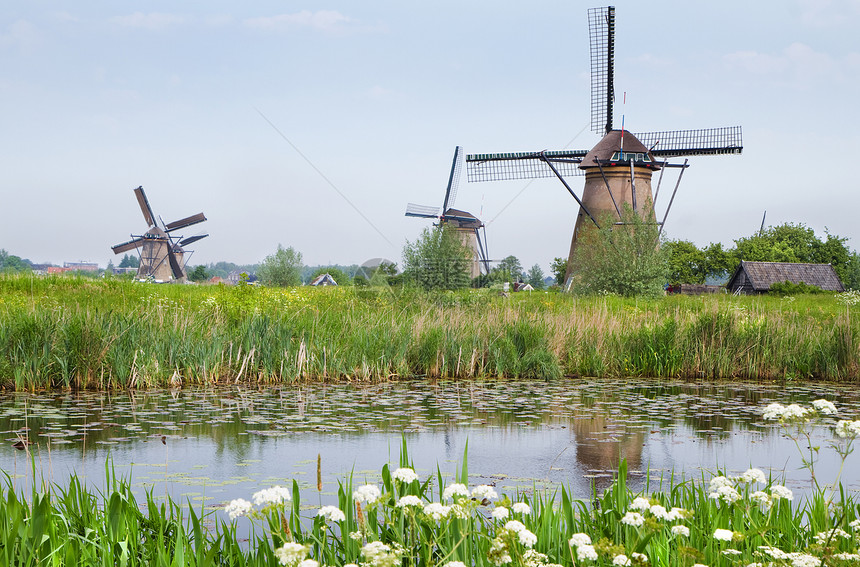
point(217, 444)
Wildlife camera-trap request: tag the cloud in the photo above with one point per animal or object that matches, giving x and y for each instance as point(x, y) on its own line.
point(828, 13)
point(154, 21)
point(21, 34)
point(322, 20)
point(797, 64)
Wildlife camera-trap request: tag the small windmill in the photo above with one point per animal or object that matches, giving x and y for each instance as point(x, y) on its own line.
point(467, 226)
point(618, 169)
point(162, 256)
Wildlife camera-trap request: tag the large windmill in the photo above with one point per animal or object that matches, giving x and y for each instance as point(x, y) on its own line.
point(467, 226)
point(618, 169)
point(162, 256)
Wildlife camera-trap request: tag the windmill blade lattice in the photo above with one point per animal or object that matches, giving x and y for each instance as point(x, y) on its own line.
point(710, 141)
point(601, 36)
point(522, 165)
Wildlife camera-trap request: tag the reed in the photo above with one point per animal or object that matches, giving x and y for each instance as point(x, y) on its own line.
point(61, 332)
point(415, 521)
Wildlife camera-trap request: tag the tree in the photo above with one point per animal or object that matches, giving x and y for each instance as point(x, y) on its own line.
point(558, 269)
point(508, 270)
point(281, 269)
point(535, 277)
point(437, 259)
point(198, 274)
point(624, 259)
point(129, 261)
point(687, 264)
point(11, 263)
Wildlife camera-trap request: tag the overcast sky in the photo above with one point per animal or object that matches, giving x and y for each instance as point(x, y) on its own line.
point(372, 97)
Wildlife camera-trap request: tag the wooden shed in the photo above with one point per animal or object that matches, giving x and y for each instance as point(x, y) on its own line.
point(757, 277)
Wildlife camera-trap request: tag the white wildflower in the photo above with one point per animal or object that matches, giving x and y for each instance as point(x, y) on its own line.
point(854, 525)
point(727, 494)
point(634, 519)
point(532, 558)
point(368, 493)
point(405, 475)
point(586, 553)
point(699, 565)
point(379, 554)
point(498, 553)
point(274, 495)
point(847, 429)
point(824, 407)
point(730, 552)
point(522, 508)
point(331, 513)
point(458, 511)
point(409, 500)
point(621, 560)
point(830, 535)
point(640, 504)
point(779, 492)
point(753, 475)
point(723, 535)
point(579, 539)
point(527, 538)
point(237, 508)
point(773, 552)
point(804, 560)
point(454, 564)
point(773, 411)
point(291, 553)
point(455, 490)
point(436, 510)
point(500, 513)
point(355, 536)
point(484, 491)
point(681, 531)
point(762, 499)
point(515, 526)
point(719, 482)
point(309, 563)
point(847, 556)
point(794, 412)
point(639, 557)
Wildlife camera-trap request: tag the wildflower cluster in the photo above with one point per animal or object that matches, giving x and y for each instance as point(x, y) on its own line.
point(732, 489)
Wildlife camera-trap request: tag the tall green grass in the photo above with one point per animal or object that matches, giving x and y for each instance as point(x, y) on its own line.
point(425, 521)
point(64, 332)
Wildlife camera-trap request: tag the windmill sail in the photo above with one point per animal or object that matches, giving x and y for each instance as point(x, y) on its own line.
point(422, 211)
point(453, 179)
point(187, 221)
point(601, 36)
point(709, 141)
point(522, 165)
point(144, 206)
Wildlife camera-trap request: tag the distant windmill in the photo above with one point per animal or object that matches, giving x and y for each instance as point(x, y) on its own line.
point(162, 256)
point(467, 226)
point(618, 169)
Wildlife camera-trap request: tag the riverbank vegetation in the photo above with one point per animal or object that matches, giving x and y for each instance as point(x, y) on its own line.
point(66, 332)
point(405, 518)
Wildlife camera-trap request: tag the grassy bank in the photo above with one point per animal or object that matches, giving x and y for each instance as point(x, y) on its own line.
point(75, 333)
point(413, 521)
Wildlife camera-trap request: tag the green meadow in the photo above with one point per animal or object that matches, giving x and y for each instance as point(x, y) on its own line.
point(65, 332)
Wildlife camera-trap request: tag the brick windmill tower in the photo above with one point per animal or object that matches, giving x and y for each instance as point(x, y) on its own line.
point(467, 226)
point(618, 170)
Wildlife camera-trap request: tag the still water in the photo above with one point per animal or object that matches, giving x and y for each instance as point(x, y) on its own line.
point(212, 445)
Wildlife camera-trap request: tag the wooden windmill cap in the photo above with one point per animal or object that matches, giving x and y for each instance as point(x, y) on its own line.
point(463, 219)
point(611, 144)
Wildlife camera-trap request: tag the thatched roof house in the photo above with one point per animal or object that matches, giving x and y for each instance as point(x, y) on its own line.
point(757, 277)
